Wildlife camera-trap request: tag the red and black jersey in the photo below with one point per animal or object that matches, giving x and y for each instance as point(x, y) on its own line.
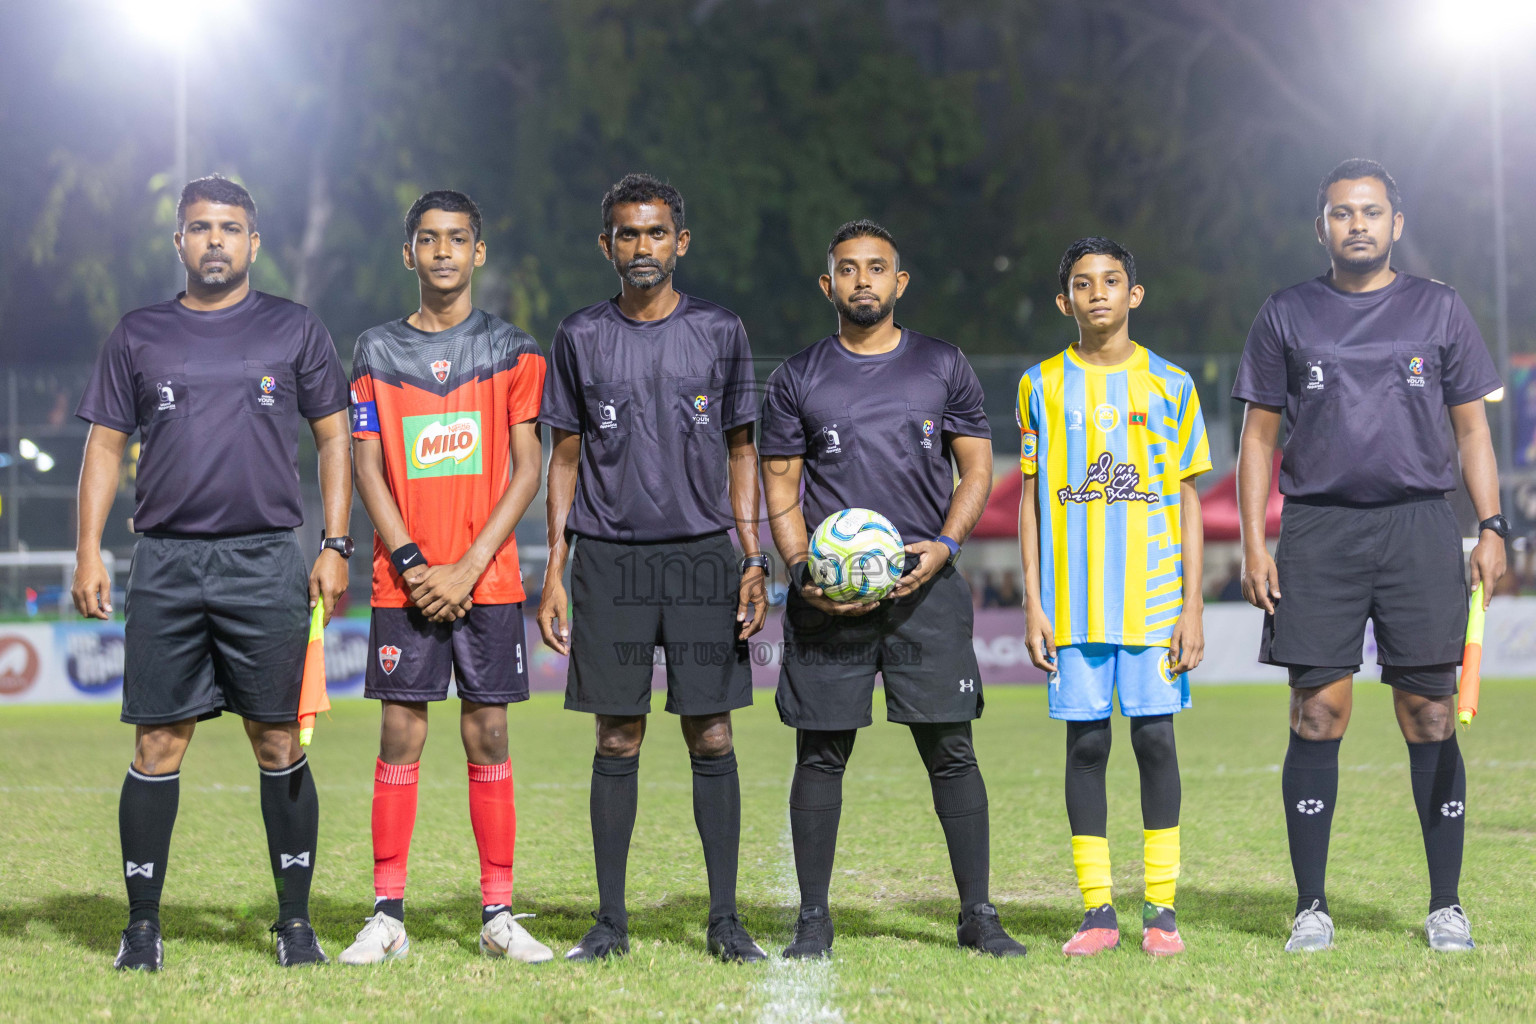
point(443, 406)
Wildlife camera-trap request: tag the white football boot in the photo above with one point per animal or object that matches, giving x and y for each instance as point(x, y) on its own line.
point(504, 938)
point(382, 938)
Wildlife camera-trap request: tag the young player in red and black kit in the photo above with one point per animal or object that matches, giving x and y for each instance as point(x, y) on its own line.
point(446, 455)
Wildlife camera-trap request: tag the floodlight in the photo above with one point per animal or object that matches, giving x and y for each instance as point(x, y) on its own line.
point(26, 449)
point(44, 462)
point(1496, 395)
point(1487, 25)
point(165, 21)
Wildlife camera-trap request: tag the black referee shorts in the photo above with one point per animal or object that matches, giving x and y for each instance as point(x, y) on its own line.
point(919, 644)
point(215, 625)
point(627, 599)
point(1399, 565)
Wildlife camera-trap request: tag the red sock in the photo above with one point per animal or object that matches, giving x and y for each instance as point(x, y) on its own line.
point(494, 815)
point(394, 817)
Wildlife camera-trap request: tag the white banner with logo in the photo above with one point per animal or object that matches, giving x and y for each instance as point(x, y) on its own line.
point(83, 661)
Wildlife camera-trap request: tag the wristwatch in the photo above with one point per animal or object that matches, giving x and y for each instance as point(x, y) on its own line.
point(1497, 523)
point(757, 561)
point(341, 545)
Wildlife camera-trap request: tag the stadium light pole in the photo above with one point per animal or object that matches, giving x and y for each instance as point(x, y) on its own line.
point(1487, 28)
point(168, 23)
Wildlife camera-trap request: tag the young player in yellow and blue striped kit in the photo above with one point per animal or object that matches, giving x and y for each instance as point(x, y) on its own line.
point(1110, 535)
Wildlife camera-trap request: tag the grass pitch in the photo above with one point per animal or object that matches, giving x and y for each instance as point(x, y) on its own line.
point(62, 902)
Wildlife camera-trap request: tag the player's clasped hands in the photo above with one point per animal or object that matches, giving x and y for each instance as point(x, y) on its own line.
point(442, 592)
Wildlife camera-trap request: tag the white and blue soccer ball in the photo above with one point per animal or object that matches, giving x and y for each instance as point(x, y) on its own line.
point(856, 556)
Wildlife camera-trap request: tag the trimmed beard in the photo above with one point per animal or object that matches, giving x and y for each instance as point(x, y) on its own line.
point(638, 273)
point(863, 316)
point(1367, 265)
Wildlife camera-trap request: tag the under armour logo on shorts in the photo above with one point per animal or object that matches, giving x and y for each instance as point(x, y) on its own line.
point(967, 686)
point(142, 870)
point(1452, 809)
point(288, 860)
point(1309, 806)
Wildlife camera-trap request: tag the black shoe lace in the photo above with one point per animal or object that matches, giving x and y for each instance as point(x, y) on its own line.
point(296, 936)
point(140, 939)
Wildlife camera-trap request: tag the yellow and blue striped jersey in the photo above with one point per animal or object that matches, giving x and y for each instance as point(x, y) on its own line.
point(1110, 445)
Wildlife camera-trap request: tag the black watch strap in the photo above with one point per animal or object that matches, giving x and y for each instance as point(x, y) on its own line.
point(341, 545)
point(1497, 523)
point(757, 561)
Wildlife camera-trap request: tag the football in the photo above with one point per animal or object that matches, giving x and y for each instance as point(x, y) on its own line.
point(856, 555)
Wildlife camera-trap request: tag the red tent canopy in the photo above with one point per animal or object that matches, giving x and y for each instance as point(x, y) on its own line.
point(1218, 506)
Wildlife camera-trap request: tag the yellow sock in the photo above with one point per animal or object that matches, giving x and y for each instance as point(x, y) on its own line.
point(1162, 859)
point(1090, 855)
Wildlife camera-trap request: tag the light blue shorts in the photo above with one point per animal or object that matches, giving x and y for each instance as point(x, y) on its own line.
point(1087, 677)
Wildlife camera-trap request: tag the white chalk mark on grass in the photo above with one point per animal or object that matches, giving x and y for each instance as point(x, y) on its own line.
point(795, 991)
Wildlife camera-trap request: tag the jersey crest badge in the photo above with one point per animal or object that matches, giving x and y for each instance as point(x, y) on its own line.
point(1029, 443)
point(389, 657)
point(440, 370)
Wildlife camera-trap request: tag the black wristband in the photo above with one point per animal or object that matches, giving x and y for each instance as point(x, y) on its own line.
point(406, 556)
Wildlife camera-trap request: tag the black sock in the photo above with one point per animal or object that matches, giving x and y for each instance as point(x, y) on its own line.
point(146, 814)
point(1440, 793)
point(615, 796)
point(1087, 756)
point(961, 804)
point(393, 908)
point(291, 811)
point(1157, 759)
point(489, 911)
point(960, 801)
point(717, 813)
point(1310, 785)
point(816, 808)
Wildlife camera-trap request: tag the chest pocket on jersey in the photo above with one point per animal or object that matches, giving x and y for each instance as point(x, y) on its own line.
point(696, 401)
point(164, 394)
point(1317, 373)
point(269, 388)
point(924, 432)
point(609, 410)
point(831, 435)
point(1416, 370)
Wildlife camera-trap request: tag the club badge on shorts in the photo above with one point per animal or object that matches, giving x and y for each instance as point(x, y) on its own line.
point(389, 657)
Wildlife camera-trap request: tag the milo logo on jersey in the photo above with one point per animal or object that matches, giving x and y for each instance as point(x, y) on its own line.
point(447, 444)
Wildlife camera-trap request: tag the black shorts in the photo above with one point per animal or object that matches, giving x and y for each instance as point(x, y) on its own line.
point(626, 599)
point(215, 625)
point(920, 645)
point(1399, 565)
point(411, 658)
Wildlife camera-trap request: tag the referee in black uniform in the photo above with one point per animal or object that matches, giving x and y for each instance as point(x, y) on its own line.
point(651, 397)
point(1372, 371)
point(216, 381)
point(874, 417)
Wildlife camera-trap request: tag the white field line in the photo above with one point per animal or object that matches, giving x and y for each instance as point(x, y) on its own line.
point(795, 991)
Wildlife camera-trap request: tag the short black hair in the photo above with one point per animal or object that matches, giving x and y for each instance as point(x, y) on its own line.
point(1095, 246)
point(641, 188)
point(862, 228)
point(447, 200)
point(216, 188)
point(1358, 167)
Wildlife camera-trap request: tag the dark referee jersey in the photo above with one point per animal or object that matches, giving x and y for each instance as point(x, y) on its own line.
point(1364, 379)
point(218, 397)
point(652, 401)
point(871, 428)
